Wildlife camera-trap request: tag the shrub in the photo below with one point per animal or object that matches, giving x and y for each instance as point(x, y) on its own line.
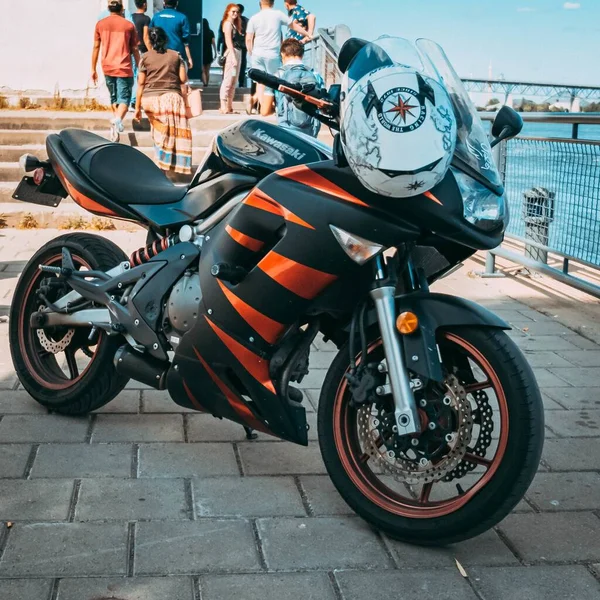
point(100, 224)
point(28, 221)
point(74, 223)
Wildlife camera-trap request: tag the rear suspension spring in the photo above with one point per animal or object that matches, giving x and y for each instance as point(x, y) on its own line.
point(143, 255)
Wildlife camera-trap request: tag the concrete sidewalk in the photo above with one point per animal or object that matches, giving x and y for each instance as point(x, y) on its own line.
point(143, 501)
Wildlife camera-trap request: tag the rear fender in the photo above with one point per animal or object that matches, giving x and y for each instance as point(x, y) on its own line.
point(437, 312)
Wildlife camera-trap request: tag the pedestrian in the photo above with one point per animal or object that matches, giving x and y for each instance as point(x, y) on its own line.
point(105, 13)
point(263, 40)
point(234, 41)
point(306, 19)
point(294, 71)
point(209, 51)
point(118, 40)
point(177, 27)
point(244, 63)
point(162, 83)
point(142, 22)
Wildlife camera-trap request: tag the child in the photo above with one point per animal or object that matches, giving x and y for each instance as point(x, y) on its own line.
point(294, 71)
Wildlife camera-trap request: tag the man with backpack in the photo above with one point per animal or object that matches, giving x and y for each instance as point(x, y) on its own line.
point(295, 71)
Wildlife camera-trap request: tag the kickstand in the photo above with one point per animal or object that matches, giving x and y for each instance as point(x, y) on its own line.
point(250, 433)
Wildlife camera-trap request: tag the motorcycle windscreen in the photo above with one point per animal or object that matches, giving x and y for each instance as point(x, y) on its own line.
point(472, 144)
point(427, 57)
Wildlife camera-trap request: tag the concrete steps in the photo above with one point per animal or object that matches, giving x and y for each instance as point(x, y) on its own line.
point(25, 132)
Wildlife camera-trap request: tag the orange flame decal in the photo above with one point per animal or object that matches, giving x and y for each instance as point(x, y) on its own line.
point(258, 199)
point(244, 240)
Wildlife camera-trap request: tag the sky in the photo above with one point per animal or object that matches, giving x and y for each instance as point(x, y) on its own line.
point(525, 40)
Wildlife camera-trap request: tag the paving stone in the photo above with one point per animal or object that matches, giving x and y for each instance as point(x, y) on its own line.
point(544, 328)
point(575, 398)
point(552, 492)
point(581, 358)
point(511, 315)
point(550, 404)
point(312, 400)
point(13, 460)
point(173, 548)
point(548, 379)
point(138, 588)
point(315, 378)
point(187, 460)
point(35, 500)
point(25, 589)
point(8, 382)
point(20, 403)
point(582, 343)
point(276, 586)
point(322, 346)
point(138, 428)
point(130, 499)
point(536, 583)
point(581, 377)
point(486, 549)
point(83, 460)
point(65, 549)
point(43, 429)
point(565, 537)
point(247, 497)
point(125, 402)
point(548, 359)
point(572, 454)
point(441, 584)
point(281, 459)
point(205, 428)
point(322, 496)
point(574, 423)
point(154, 401)
point(550, 343)
point(321, 360)
point(321, 543)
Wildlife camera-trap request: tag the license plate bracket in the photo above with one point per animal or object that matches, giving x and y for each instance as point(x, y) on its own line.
point(28, 191)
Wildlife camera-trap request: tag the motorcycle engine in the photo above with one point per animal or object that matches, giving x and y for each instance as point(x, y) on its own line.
point(183, 306)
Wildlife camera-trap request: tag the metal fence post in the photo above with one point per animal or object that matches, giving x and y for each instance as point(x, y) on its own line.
point(538, 214)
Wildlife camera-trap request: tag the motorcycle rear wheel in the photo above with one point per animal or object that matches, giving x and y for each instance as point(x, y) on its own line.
point(500, 431)
point(81, 377)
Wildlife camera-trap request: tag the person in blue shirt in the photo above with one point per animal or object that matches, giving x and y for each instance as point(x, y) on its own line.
point(303, 17)
point(177, 28)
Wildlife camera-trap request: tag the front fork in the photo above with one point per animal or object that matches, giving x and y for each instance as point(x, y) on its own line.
point(406, 413)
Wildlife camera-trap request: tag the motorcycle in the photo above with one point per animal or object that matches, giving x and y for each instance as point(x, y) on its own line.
point(430, 420)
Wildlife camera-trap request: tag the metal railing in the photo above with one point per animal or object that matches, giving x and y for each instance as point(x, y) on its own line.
point(325, 49)
point(553, 192)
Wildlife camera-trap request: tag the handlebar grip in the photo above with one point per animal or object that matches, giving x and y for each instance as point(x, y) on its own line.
point(269, 80)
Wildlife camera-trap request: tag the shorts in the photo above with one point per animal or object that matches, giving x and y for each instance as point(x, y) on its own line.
point(120, 89)
point(268, 64)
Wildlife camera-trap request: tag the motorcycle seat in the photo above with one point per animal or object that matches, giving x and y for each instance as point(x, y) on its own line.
point(122, 172)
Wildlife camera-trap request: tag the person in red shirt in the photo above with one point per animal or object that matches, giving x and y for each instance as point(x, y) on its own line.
point(118, 40)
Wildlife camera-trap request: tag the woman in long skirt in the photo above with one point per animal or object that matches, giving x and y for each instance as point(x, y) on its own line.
point(234, 41)
point(162, 86)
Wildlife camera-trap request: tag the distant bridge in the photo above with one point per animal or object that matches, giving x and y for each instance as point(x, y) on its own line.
point(525, 88)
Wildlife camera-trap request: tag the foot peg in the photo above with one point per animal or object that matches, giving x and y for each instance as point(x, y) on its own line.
point(228, 273)
point(250, 433)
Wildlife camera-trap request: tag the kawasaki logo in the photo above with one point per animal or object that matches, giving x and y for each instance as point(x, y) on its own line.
point(289, 150)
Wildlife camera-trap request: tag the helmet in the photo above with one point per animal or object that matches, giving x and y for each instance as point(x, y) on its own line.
point(398, 128)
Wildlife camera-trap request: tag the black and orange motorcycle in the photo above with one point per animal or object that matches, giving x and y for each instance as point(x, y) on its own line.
point(430, 420)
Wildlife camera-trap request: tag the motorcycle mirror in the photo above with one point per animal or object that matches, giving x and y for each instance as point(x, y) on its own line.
point(507, 124)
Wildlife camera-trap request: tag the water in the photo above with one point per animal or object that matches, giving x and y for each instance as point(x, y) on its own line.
point(572, 172)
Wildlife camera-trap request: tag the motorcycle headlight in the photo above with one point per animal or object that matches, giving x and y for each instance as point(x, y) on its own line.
point(482, 207)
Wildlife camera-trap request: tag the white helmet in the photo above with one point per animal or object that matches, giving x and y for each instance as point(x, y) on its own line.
point(398, 130)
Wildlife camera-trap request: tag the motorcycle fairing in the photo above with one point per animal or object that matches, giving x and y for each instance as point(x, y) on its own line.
point(281, 237)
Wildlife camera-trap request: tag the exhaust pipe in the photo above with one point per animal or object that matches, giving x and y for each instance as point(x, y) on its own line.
point(142, 368)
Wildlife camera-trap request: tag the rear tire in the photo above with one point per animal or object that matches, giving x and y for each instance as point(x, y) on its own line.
point(417, 518)
point(40, 372)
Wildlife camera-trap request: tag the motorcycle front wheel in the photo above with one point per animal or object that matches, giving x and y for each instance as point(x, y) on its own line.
point(478, 451)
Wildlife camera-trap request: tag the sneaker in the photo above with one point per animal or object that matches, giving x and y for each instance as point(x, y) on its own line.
point(114, 132)
point(120, 126)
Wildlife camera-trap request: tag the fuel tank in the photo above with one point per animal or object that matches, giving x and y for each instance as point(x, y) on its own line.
point(259, 148)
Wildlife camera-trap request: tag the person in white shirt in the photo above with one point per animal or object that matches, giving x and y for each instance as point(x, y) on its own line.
point(263, 39)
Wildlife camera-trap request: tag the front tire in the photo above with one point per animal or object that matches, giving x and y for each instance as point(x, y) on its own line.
point(499, 421)
point(81, 377)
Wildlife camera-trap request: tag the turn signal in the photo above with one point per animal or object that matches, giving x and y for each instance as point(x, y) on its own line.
point(407, 323)
point(357, 248)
